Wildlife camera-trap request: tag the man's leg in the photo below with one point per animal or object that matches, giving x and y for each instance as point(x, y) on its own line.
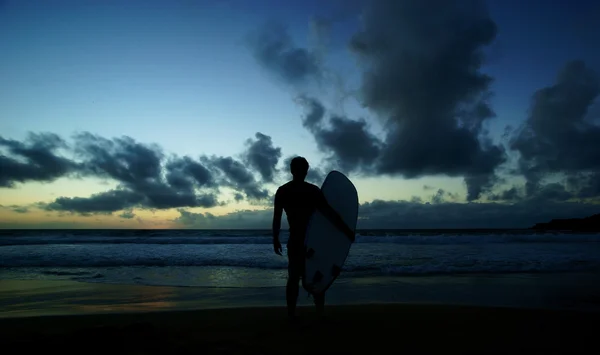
point(320, 303)
point(291, 293)
point(291, 288)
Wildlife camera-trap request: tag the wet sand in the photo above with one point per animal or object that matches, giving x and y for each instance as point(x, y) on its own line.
point(22, 298)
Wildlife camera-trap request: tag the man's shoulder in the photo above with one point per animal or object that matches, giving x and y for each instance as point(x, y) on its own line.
point(291, 185)
point(284, 186)
point(312, 186)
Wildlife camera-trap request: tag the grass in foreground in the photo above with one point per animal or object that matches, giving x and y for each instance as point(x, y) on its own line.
point(364, 329)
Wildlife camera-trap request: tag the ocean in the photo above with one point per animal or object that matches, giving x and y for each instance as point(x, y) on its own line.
point(394, 265)
point(244, 258)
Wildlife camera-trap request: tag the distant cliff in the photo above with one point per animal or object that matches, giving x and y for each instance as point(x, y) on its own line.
point(587, 224)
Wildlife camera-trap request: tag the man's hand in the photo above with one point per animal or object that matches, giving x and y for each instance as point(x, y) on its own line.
point(277, 246)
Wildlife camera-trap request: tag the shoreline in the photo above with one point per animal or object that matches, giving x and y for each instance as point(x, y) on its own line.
point(574, 291)
point(72, 317)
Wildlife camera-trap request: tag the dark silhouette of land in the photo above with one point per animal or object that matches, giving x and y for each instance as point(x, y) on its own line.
point(587, 224)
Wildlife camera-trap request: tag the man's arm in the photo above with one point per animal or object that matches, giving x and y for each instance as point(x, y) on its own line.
point(277, 212)
point(334, 217)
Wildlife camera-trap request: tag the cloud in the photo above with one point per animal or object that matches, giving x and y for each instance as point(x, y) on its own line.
point(315, 175)
point(262, 156)
point(561, 136)
point(146, 177)
point(246, 219)
point(104, 202)
point(511, 194)
point(139, 170)
point(186, 174)
point(35, 159)
point(237, 175)
point(413, 215)
point(350, 143)
point(442, 196)
point(404, 214)
point(19, 209)
point(16, 208)
point(274, 49)
point(420, 64)
point(127, 214)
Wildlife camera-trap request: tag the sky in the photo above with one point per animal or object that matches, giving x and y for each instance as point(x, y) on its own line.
point(185, 114)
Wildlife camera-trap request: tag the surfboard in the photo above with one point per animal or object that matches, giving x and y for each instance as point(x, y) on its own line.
point(326, 246)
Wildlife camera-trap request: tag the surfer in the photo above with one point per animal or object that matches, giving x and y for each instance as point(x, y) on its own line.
point(299, 199)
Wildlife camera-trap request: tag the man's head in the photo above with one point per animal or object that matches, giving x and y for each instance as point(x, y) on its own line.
point(299, 168)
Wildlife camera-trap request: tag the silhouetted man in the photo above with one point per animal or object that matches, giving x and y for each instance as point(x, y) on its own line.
point(299, 199)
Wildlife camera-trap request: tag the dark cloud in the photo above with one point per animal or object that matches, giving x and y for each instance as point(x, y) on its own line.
point(315, 175)
point(193, 220)
point(238, 197)
point(104, 202)
point(146, 177)
point(404, 214)
point(35, 159)
point(139, 170)
point(421, 76)
point(315, 112)
point(238, 176)
point(274, 49)
point(585, 185)
point(263, 156)
point(414, 215)
point(416, 199)
point(127, 214)
point(186, 174)
point(16, 208)
point(440, 196)
point(560, 136)
point(509, 195)
point(247, 219)
point(350, 143)
point(122, 159)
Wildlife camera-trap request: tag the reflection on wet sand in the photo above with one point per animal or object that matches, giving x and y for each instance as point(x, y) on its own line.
point(31, 298)
point(57, 297)
point(244, 277)
point(23, 298)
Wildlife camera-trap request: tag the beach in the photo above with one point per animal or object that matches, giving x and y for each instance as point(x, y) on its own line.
point(354, 329)
point(566, 291)
point(95, 318)
point(164, 292)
